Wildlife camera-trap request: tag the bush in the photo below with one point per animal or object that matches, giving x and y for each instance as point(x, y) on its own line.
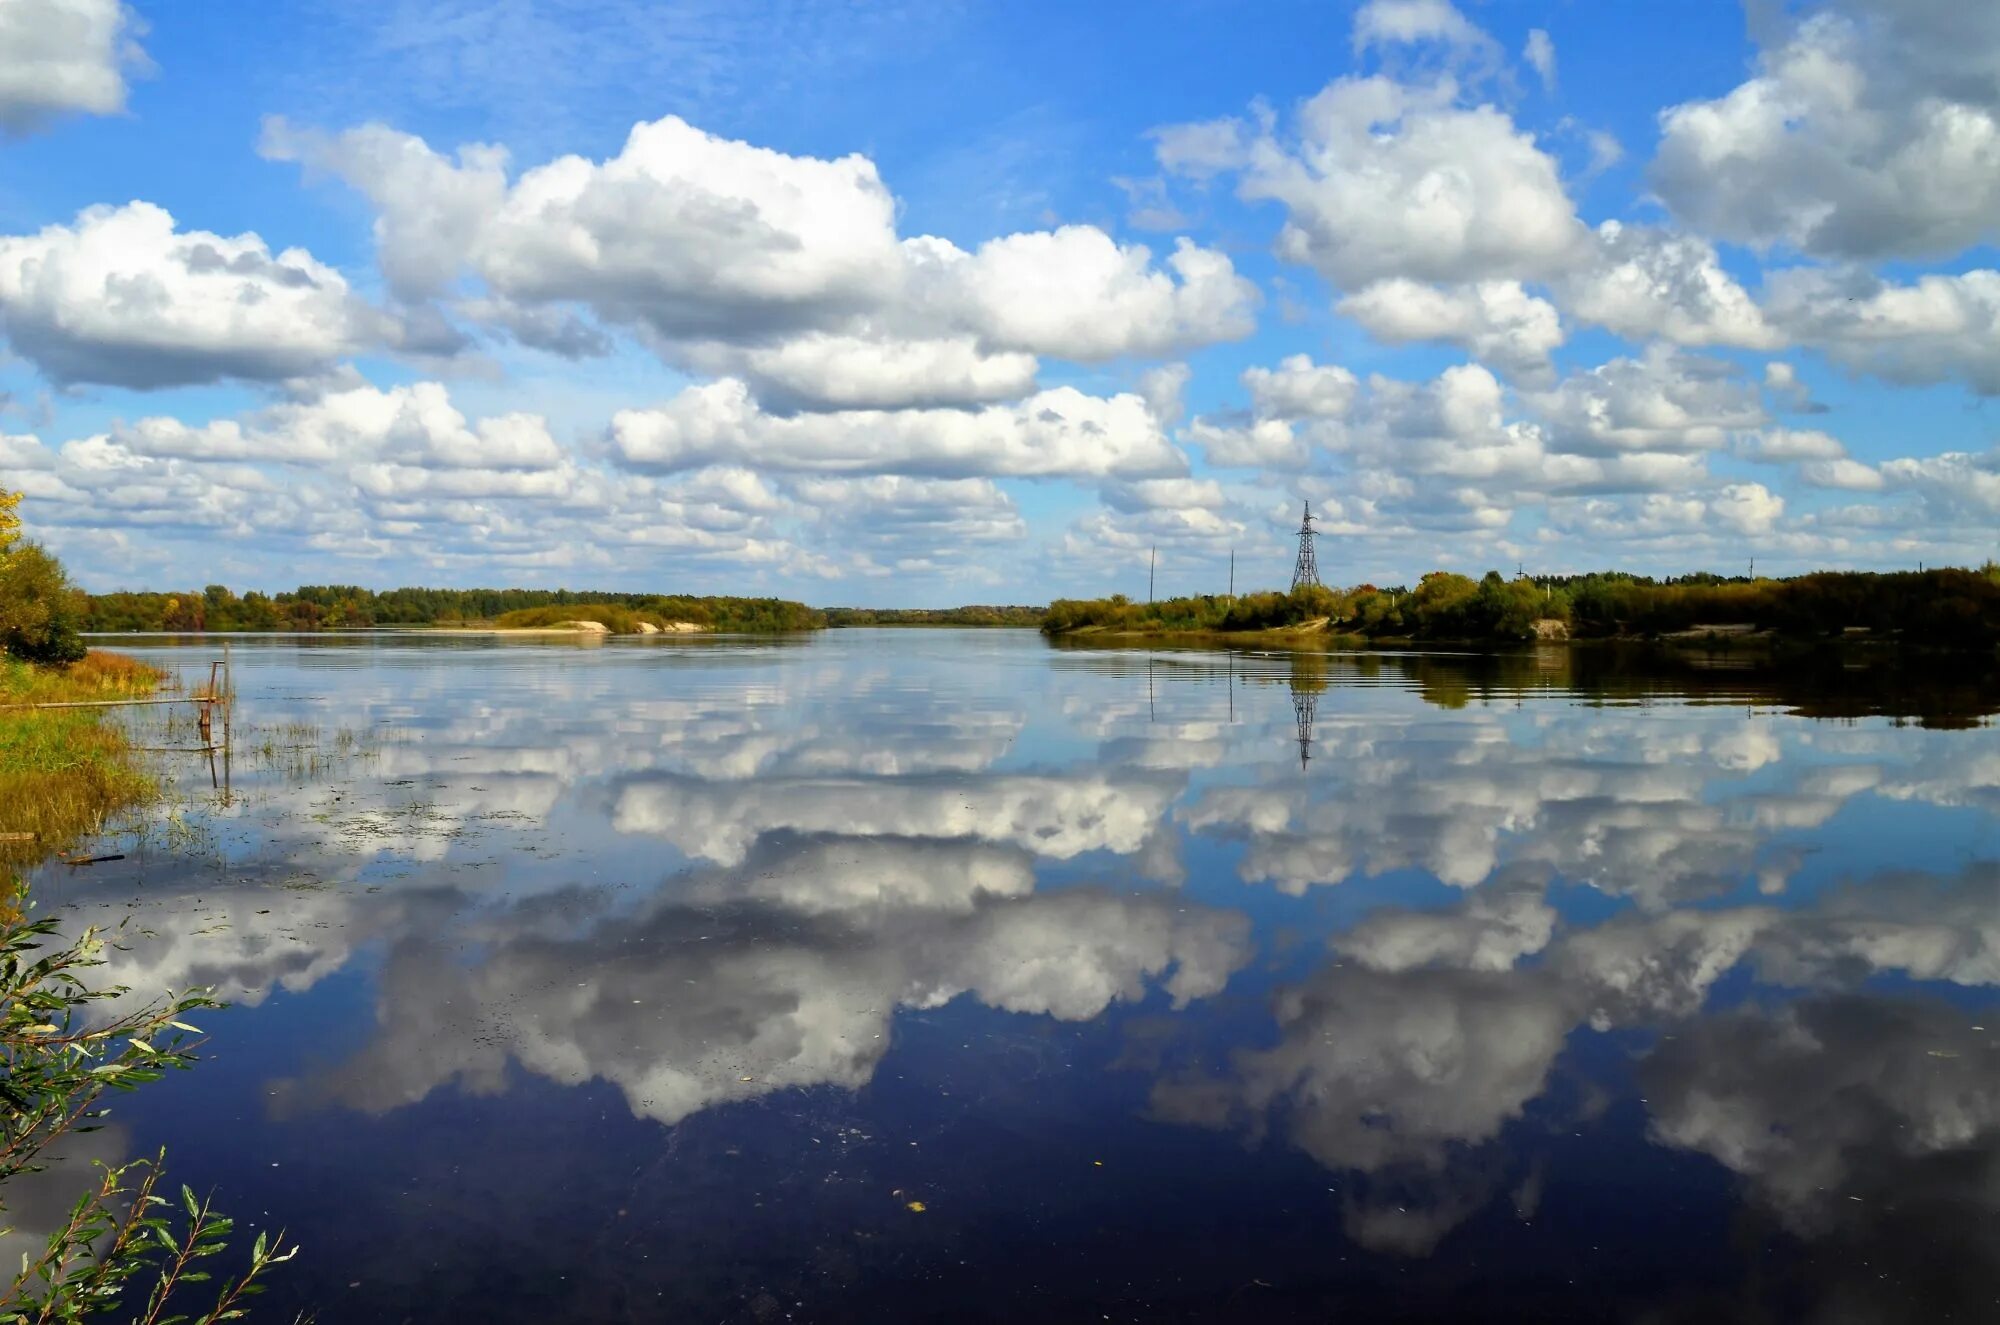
point(38, 617)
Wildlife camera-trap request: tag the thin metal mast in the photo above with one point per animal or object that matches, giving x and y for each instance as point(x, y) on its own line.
point(1151, 565)
point(1306, 569)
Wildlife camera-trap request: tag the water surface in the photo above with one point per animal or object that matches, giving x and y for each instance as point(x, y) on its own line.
point(935, 975)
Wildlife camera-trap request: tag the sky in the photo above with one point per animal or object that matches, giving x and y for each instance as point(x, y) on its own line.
point(928, 303)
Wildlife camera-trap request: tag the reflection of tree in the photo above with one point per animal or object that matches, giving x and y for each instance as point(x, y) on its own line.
point(1933, 690)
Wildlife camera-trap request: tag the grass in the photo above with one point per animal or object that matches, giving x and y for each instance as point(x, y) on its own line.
point(65, 772)
point(100, 675)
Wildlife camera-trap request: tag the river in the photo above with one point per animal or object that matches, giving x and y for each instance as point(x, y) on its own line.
point(947, 975)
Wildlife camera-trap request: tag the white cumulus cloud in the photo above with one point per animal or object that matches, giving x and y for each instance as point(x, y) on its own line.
point(63, 57)
point(121, 296)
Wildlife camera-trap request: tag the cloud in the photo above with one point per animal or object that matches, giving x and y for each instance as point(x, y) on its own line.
point(412, 425)
point(1458, 453)
point(1054, 433)
point(121, 297)
point(820, 370)
point(1783, 387)
point(1269, 444)
point(1816, 1099)
point(1498, 322)
point(1385, 180)
point(1540, 53)
point(1074, 293)
point(1840, 472)
point(60, 57)
point(1936, 328)
point(789, 992)
point(1599, 804)
point(1869, 131)
point(786, 271)
point(1300, 389)
point(1663, 402)
point(1055, 817)
point(1867, 1125)
point(1779, 445)
point(1489, 931)
point(1390, 1074)
point(1646, 283)
point(1956, 484)
point(1381, 23)
point(683, 232)
point(892, 523)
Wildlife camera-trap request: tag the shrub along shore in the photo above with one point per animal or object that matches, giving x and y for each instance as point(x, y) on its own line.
point(1947, 608)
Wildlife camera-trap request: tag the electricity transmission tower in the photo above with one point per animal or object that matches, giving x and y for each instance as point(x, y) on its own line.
point(1306, 569)
point(1305, 709)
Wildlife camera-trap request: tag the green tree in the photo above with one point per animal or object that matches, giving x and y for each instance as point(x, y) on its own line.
point(38, 613)
point(1443, 605)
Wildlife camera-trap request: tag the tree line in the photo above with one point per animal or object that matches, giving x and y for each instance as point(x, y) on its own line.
point(1946, 606)
point(977, 614)
point(316, 607)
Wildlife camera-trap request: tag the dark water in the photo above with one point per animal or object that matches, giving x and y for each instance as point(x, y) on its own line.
point(947, 976)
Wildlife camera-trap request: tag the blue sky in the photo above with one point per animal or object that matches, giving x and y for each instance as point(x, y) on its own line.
point(937, 303)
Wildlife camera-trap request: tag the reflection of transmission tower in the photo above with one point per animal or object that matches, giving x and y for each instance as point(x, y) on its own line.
point(1305, 707)
point(1306, 570)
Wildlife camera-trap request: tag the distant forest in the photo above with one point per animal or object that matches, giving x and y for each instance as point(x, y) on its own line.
point(1947, 606)
point(976, 615)
point(349, 607)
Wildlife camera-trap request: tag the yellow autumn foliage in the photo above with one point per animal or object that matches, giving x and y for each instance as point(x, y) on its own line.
point(10, 519)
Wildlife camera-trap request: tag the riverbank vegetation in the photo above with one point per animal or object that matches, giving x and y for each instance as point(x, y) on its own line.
point(118, 1245)
point(65, 773)
point(350, 607)
point(1945, 607)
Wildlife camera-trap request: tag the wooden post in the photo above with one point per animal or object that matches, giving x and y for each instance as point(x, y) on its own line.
point(228, 708)
point(206, 721)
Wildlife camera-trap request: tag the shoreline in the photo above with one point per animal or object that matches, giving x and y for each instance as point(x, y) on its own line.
point(1742, 642)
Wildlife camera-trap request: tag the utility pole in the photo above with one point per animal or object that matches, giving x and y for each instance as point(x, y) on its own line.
point(1753, 568)
point(1232, 573)
point(1151, 565)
